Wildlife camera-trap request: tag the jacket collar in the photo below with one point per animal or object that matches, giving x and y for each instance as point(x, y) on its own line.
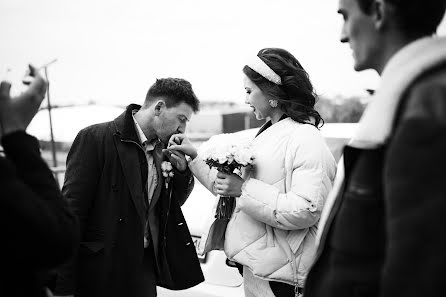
point(125, 127)
point(272, 129)
point(401, 71)
point(269, 124)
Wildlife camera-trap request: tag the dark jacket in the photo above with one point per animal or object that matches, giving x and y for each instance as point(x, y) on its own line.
point(38, 230)
point(105, 184)
point(384, 236)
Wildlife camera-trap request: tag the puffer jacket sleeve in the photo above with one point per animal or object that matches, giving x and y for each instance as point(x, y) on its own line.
point(309, 172)
point(205, 175)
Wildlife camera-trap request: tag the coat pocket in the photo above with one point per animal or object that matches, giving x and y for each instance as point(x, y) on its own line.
point(91, 247)
point(359, 224)
point(90, 269)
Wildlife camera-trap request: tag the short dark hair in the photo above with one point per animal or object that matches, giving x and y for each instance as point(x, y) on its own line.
point(174, 91)
point(295, 96)
point(414, 17)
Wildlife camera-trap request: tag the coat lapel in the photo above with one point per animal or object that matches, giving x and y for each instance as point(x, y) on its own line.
point(158, 158)
point(127, 146)
point(129, 159)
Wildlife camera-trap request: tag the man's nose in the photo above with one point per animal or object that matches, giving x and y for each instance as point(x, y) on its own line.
point(181, 129)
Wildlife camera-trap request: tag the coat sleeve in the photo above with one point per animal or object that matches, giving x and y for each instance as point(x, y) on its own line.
point(311, 168)
point(79, 189)
point(183, 184)
point(415, 195)
point(45, 231)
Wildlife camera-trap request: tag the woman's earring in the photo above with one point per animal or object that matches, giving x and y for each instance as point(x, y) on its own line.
point(273, 103)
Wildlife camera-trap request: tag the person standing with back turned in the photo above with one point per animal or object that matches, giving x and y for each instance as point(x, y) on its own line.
point(39, 232)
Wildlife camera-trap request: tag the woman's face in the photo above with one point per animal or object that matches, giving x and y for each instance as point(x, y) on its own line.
point(256, 99)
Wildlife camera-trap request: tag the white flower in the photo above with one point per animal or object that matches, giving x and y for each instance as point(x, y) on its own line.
point(167, 171)
point(226, 150)
point(244, 156)
point(166, 166)
point(220, 154)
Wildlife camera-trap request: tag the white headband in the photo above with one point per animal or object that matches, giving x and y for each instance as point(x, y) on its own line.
point(264, 70)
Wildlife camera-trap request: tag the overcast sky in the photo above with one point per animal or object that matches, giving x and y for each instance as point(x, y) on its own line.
point(111, 51)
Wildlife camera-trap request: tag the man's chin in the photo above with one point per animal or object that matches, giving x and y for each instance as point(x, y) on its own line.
point(361, 66)
point(358, 66)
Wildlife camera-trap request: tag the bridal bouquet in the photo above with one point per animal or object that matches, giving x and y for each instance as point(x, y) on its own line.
point(225, 156)
point(228, 158)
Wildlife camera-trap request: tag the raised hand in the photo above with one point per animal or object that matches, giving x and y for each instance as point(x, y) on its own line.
point(180, 142)
point(16, 113)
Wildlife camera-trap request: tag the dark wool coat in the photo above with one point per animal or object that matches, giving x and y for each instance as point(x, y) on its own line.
point(38, 230)
point(385, 233)
point(105, 184)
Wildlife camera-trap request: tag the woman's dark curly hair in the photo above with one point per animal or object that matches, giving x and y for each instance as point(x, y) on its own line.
point(295, 96)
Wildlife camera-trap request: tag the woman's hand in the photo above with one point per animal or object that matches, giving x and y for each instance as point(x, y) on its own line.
point(180, 142)
point(228, 184)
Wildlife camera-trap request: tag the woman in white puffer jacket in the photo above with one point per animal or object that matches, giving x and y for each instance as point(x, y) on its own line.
point(280, 198)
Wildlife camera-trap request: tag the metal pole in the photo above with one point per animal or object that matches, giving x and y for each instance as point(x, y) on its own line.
point(53, 144)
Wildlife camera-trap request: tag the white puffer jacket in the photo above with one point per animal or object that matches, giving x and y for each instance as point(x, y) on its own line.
point(272, 230)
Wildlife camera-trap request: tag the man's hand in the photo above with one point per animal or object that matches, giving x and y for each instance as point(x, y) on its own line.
point(16, 113)
point(177, 159)
point(228, 184)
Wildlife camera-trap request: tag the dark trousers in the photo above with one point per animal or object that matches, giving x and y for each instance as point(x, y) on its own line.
point(283, 290)
point(149, 270)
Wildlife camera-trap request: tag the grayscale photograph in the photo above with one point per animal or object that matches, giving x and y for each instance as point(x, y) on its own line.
point(239, 148)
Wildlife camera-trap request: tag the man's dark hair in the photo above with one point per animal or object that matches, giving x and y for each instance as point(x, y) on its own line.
point(416, 18)
point(174, 91)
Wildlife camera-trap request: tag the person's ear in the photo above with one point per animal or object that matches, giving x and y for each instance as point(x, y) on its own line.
point(159, 106)
point(383, 13)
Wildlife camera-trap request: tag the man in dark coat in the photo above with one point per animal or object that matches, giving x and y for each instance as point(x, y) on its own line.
point(38, 230)
point(381, 231)
point(133, 233)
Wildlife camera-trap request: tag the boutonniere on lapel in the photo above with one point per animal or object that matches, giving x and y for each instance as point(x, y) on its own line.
point(167, 170)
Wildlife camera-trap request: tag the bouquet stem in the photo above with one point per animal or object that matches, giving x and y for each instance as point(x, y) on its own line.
point(225, 207)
